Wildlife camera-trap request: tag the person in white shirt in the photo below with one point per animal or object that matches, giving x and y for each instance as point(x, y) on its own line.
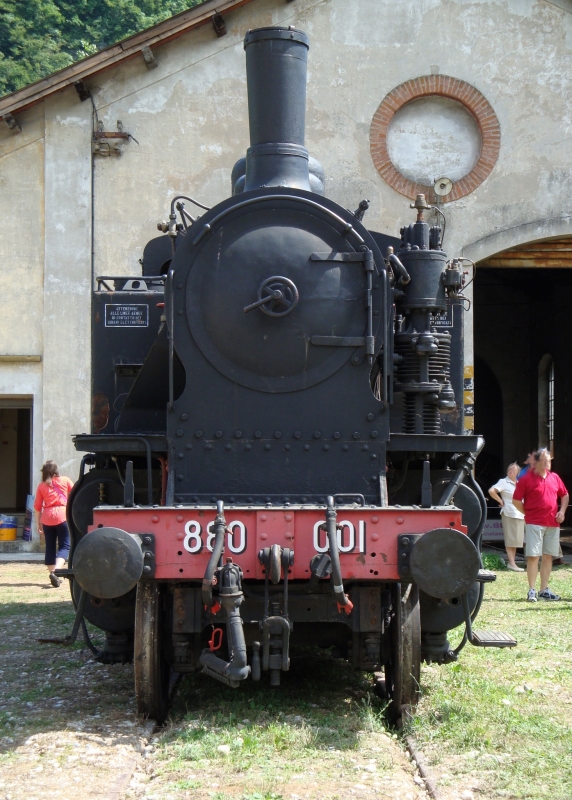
point(512, 520)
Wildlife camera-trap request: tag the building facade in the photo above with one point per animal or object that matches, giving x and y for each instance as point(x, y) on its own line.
point(466, 101)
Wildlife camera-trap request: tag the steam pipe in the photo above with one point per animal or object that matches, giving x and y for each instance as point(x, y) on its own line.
point(230, 596)
point(236, 670)
point(343, 601)
point(220, 528)
point(466, 466)
point(404, 277)
point(236, 636)
point(473, 616)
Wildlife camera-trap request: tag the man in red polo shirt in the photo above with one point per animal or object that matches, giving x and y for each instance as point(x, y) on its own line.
point(536, 496)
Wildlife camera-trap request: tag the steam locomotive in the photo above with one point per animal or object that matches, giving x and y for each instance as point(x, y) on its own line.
point(277, 455)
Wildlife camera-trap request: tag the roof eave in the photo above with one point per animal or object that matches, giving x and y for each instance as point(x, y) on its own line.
point(156, 36)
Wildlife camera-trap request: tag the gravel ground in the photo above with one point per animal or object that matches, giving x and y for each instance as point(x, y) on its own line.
point(68, 726)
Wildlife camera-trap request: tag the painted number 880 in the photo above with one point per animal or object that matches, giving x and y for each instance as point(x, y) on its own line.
point(193, 543)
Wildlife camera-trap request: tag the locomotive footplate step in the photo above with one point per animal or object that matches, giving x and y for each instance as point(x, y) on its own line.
point(486, 576)
point(493, 639)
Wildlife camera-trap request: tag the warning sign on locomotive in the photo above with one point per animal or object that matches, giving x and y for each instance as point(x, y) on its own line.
point(131, 316)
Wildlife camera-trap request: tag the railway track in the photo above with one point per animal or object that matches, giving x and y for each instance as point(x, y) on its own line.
point(80, 720)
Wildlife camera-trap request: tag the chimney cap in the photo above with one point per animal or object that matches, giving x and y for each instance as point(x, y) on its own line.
point(289, 34)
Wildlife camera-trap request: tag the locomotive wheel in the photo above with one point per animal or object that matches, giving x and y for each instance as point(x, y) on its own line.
point(152, 671)
point(403, 672)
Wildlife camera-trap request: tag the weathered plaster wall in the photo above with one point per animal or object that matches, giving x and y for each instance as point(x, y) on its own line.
point(189, 115)
point(67, 277)
point(22, 240)
point(45, 277)
point(434, 137)
point(22, 264)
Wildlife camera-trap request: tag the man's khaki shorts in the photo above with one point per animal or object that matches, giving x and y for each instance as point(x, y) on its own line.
point(541, 540)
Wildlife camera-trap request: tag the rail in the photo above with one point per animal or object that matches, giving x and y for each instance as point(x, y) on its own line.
point(171, 299)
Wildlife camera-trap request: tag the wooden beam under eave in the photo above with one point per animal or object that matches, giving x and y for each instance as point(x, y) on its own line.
point(548, 254)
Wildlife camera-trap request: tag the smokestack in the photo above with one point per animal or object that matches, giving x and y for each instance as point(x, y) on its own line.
point(276, 67)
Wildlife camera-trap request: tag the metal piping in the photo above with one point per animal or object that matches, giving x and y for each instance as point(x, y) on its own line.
point(343, 601)
point(171, 328)
point(230, 595)
point(473, 616)
point(404, 277)
point(220, 529)
point(236, 670)
point(467, 465)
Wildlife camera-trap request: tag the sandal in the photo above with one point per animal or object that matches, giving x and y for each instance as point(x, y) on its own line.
point(514, 568)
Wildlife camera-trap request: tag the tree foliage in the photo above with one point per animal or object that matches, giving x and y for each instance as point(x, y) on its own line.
point(38, 37)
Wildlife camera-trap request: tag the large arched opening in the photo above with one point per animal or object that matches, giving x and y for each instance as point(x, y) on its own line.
point(523, 336)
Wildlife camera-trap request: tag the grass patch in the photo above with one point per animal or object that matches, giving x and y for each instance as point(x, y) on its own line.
point(493, 562)
point(505, 716)
point(497, 722)
point(496, 719)
point(322, 731)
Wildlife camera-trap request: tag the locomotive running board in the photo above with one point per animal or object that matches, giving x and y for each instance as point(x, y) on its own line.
point(492, 639)
point(484, 638)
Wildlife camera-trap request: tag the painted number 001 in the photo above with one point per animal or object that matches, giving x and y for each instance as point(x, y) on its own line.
point(193, 543)
point(346, 537)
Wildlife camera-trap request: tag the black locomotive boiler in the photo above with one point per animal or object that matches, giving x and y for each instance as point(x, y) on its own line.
point(278, 455)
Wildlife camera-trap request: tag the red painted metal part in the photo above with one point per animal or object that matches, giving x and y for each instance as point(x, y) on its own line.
point(368, 541)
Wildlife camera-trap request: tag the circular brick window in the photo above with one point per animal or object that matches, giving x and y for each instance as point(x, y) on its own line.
point(434, 127)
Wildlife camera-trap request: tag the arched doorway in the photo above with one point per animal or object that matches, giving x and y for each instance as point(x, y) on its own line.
point(523, 335)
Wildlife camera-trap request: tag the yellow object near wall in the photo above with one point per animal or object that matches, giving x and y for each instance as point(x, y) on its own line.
point(8, 528)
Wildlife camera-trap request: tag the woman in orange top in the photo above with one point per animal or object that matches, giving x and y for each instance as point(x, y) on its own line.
point(50, 508)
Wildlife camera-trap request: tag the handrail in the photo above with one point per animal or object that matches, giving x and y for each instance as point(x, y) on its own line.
point(347, 227)
point(387, 349)
point(169, 291)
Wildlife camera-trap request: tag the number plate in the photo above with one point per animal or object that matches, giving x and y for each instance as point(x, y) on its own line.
point(367, 538)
